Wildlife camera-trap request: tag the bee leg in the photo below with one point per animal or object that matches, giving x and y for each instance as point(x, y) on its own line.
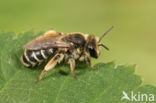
point(72, 67)
point(88, 60)
point(50, 33)
point(51, 64)
point(47, 34)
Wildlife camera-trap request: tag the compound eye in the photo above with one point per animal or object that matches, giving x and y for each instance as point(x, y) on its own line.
point(90, 47)
point(92, 51)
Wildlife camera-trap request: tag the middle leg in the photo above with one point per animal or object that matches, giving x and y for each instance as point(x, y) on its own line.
point(72, 67)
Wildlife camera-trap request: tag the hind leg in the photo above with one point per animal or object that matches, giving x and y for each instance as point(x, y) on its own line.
point(51, 64)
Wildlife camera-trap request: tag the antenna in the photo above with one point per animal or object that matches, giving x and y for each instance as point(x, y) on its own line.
point(104, 46)
point(106, 33)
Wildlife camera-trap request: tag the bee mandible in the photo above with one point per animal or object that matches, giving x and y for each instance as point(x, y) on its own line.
point(59, 46)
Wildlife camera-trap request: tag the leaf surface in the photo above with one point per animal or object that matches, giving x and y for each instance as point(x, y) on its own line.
point(105, 84)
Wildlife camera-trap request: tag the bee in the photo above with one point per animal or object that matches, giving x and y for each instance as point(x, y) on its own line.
point(59, 46)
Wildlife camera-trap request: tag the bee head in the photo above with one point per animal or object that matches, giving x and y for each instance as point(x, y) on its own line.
point(92, 45)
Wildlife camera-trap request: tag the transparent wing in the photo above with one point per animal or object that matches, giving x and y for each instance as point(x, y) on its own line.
point(47, 42)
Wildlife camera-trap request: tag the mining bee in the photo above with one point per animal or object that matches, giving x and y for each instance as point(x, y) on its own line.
point(59, 46)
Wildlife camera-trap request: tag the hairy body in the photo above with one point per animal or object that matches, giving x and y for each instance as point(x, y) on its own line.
point(59, 46)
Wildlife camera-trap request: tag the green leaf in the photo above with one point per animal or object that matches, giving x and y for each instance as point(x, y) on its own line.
point(105, 84)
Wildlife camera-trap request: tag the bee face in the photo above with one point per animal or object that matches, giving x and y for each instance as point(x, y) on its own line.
point(92, 46)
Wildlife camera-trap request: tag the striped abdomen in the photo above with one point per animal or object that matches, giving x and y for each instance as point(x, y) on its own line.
point(33, 58)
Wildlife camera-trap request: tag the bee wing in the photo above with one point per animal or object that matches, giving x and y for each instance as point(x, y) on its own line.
point(47, 42)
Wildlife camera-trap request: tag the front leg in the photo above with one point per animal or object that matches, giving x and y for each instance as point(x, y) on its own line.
point(51, 64)
point(88, 61)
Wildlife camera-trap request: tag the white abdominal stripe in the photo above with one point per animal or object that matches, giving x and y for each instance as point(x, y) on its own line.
point(34, 57)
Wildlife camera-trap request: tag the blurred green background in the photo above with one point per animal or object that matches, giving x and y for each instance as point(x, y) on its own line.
point(132, 41)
